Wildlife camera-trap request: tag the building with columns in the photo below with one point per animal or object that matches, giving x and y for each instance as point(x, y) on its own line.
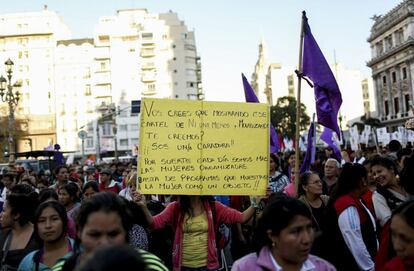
point(392, 51)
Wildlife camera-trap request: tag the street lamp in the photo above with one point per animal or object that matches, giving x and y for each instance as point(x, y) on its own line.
point(12, 98)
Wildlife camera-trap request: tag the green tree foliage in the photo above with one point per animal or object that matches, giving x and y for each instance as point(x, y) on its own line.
point(283, 116)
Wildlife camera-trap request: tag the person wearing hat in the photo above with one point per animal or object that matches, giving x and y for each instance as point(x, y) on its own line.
point(107, 184)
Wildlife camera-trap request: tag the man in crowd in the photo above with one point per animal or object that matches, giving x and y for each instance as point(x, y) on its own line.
point(62, 178)
point(331, 172)
point(107, 184)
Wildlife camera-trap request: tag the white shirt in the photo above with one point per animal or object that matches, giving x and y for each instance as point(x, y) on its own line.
point(382, 210)
point(306, 266)
point(350, 226)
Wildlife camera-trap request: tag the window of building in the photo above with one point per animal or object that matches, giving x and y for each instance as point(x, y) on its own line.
point(88, 90)
point(190, 59)
point(123, 142)
point(151, 87)
point(404, 73)
point(394, 77)
point(27, 82)
point(388, 42)
point(384, 80)
point(189, 47)
point(103, 66)
point(379, 48)
point(103, 39)
point(123, 127)
point(134, 127)
point(134, 141)
point(407, 102)
point(106, 129)
point(399, 36)
point(184, 36)
point(190, 72)
point(20, 54)
point(386, 108)
point(89, 127)
point(190, 84)
point(87, 73)
point(146, 36)
point(89, 142)
point(396, 105)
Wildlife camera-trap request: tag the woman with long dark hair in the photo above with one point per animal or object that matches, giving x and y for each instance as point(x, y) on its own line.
point(284, 238)
point(104, 220)
point(389, 193)
point(195, 220)
point(50, 228)
point(17, 235)
point(69, 197)
point(350, 225)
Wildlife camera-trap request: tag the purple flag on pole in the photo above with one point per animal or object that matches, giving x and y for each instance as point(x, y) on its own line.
point(327, 137)
point(252, 98)
point(327, 94)
point(310, 150)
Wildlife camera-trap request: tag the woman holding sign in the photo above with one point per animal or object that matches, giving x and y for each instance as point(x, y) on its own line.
point(195, 220)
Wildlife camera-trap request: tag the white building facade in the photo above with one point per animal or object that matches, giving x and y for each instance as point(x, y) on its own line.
point(29, 40)
point(88, 84)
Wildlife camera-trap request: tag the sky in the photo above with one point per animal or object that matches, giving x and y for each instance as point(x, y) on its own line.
point(228, 32)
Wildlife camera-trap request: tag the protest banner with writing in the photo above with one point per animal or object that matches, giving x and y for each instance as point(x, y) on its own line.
point(203, 148)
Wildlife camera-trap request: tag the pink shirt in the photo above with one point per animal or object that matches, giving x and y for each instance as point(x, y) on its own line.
point(172, 216)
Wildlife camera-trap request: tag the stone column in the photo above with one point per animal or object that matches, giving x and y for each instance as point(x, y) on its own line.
point(410, 82)
point(389, 94)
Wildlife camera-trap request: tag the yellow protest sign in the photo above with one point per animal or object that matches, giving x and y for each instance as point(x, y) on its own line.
point(203, 148)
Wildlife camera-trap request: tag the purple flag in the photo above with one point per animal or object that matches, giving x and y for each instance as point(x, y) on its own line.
point(310, 150)
point(252, 98)
point(327, 137)
point(327, 94)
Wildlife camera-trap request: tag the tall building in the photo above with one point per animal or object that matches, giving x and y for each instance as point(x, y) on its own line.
point(259, 76)
point(368, 97)
point(132, 55)
point(392, 45)
point(29, 40)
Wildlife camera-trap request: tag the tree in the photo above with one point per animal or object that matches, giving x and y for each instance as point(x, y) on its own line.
point(19, 131)
point(283, 116)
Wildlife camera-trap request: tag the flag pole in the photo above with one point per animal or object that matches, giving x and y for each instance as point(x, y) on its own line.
point(297, 152)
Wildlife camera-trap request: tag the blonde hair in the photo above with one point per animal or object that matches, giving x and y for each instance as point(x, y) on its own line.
point(131, 178)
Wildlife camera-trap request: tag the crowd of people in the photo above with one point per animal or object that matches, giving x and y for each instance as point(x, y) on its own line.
point(353, 214)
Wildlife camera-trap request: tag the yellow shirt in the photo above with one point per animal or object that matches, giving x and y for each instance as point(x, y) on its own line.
point(195, 237)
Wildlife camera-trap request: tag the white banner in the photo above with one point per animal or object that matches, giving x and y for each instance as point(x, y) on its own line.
point(382, 135)
point(354, 143)
point(402, 135)
point(386, 138)
point(410, 135)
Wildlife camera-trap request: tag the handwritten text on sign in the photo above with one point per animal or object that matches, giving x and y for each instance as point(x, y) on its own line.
point(203, 148)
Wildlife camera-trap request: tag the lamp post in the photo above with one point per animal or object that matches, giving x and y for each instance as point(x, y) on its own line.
point(10, 93)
